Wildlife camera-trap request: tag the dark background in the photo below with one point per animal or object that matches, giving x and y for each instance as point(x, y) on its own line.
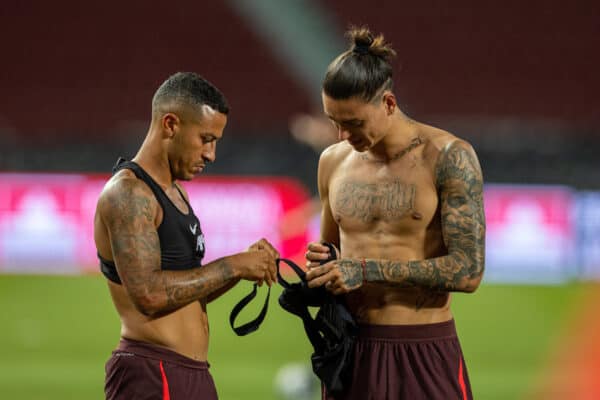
point(518, 80)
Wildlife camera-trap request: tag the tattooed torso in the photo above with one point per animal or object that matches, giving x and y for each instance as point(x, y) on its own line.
point(392, 211)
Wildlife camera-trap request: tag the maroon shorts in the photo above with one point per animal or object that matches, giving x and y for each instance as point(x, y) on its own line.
point(417, 362)
point(140, 370)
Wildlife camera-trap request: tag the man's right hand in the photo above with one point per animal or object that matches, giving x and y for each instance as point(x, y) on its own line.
point(258, 263)
point(318, 252)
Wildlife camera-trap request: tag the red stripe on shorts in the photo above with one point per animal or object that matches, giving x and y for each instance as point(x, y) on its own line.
point(165, 383)
point(461, 380)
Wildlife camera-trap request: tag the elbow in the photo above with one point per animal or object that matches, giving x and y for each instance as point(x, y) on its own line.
point(149, 305)
point(473, 265)
point(472, 285)
point(474, 279)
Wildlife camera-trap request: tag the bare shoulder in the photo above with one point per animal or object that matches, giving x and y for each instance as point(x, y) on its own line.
point(334, 155)
point(436, 139)
point(336, 152)
point(330, 159)
point(126, 196)
point(440, 145)
point(455, 160)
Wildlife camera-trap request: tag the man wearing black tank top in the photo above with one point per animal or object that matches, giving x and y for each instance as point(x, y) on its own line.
point(150, 245)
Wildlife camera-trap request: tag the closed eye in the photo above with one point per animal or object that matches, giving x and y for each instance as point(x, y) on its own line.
point(351, 123)
point(208, 138)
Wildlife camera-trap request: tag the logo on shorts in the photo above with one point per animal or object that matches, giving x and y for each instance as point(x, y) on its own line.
point(193, 229)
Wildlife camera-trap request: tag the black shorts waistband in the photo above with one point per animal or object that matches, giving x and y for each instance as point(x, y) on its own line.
point(439, 330)
point(156, 352)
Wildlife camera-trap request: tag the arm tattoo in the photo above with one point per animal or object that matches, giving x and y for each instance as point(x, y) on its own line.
point(460, 186)
point(351, 272)
point(184, 287)
point(129, 218)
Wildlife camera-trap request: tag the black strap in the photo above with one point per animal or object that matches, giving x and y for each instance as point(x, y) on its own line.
point(142, 175)
point(332, 252)
point(253, 325)
point(299, 271)
point(117, 165)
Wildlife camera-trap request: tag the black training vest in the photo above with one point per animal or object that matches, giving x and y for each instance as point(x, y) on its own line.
point(180, 235)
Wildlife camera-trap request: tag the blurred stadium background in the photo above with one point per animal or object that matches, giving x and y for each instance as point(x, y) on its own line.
point(518, 80)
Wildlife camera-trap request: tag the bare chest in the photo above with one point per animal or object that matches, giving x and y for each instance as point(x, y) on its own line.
point(399, 199)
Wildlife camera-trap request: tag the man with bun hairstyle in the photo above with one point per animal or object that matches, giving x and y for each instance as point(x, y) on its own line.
point(402, 201)
point(150, 245)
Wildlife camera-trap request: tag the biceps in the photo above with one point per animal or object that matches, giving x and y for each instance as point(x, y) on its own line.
point(136, 256)
point(463, 221)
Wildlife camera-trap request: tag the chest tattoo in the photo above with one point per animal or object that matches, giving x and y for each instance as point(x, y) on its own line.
point(370, 201)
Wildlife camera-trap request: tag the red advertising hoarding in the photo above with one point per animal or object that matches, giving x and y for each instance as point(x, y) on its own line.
point(46, 223)
point(46, 220)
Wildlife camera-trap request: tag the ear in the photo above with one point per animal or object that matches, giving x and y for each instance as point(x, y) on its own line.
point(170, 125)
point(389, 101)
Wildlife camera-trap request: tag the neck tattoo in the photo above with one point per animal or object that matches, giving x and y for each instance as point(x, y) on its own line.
point(412, 145)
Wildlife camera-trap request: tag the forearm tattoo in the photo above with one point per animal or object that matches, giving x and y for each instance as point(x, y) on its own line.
point(351, 271)
point(129, 218)
point(183, 287)
point(460, 186)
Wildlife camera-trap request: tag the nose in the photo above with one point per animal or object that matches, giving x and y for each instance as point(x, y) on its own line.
point(209, 153)
point(343, 134)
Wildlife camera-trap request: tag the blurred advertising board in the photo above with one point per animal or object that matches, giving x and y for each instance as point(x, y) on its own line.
point(46, 224)
point(588, 234)
point(530, 234)
point(46, 220)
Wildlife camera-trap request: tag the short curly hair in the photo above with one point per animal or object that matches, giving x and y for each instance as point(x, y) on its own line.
point(189, 88)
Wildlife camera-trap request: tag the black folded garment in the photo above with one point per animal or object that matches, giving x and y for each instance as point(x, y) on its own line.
point(332, 332)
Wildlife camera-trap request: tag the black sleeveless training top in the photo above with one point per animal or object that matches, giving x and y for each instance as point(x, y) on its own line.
point(180, 235)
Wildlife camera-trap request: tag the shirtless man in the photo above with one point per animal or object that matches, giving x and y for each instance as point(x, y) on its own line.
point(403, 202)
point(151, 245)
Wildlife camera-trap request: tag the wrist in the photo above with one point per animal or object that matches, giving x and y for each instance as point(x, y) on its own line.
point(232, 265)
point(363, 267)
point(371, 271)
